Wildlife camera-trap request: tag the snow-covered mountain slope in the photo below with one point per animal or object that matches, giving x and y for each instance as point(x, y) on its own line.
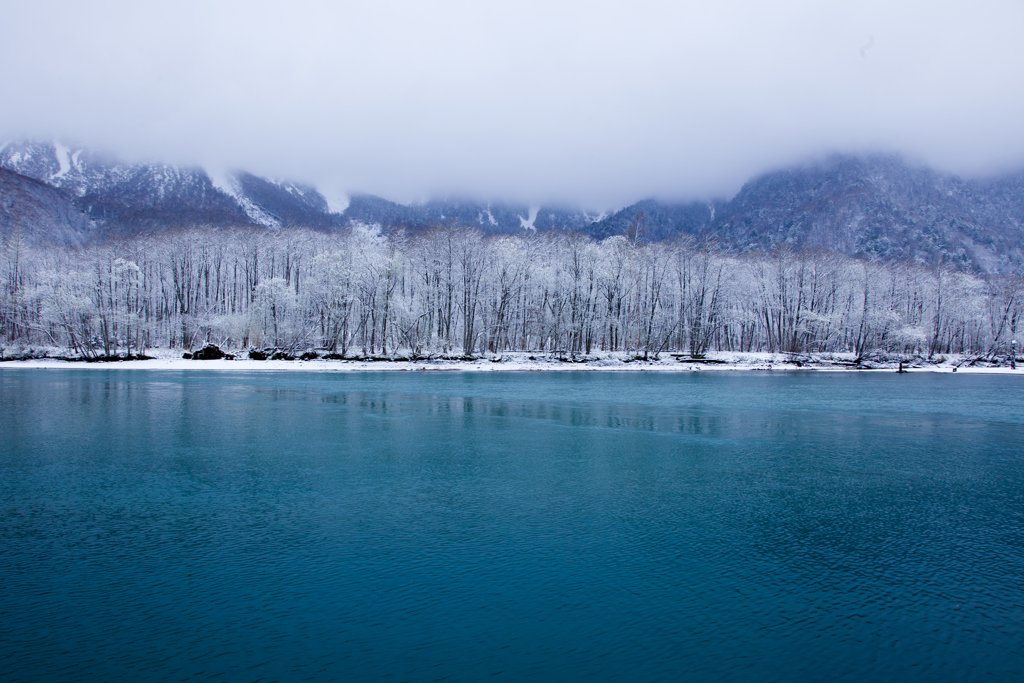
point(129, 198)
point(490, 217)
point(52, 163)
point(289, 204)
point(34, 211)
point(875, 206)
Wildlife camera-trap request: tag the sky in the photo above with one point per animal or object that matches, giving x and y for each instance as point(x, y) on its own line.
point(595, 104)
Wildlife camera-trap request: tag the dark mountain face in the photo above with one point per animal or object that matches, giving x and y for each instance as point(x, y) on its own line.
point(874, 206)
point(125, 198)
point(659, 221)
point(492, 217)
point(39, 213)
point(150, 198)
point(859, 206)
point(868, 207)
point(287, 204)
point(1001, 199)
point(132, 198)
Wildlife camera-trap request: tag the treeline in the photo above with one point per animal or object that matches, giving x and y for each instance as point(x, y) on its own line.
point(453, 290)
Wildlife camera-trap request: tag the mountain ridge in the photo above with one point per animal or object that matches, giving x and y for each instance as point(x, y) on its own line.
point(869, 206)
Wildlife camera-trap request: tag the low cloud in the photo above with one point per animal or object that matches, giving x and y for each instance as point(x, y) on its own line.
point(583, 103)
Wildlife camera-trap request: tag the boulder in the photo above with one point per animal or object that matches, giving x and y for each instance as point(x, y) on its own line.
point(208, 352)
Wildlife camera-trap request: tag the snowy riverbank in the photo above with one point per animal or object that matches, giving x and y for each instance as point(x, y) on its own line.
point(524, 362)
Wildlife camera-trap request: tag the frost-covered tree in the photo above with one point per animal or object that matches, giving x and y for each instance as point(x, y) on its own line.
point(451, 289)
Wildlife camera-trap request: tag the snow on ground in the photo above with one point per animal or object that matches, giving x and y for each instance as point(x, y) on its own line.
point(524, 362)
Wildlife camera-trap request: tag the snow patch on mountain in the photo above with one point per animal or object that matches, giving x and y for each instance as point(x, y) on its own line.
point(229, 185)
point(290, 188)
point(490, 217)
point(337, 201)
point(528, 223)
point(223, 182)
point(63, 155)
point(256, 214)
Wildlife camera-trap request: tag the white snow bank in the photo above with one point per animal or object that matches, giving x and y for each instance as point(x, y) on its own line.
point(523, 362)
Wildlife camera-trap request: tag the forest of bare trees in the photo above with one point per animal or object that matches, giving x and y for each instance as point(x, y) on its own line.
point(455, 291)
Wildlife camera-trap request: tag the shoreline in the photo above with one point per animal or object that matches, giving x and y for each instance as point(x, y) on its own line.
point(523, 362)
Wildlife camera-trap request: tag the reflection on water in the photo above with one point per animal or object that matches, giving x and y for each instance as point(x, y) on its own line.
point(454, 527)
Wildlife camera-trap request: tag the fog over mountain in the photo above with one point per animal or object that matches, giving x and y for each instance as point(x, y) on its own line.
point(874, 129)
point(864, 206)
point(537, 103)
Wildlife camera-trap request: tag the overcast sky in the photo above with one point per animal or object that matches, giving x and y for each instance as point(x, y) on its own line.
point(592, 103)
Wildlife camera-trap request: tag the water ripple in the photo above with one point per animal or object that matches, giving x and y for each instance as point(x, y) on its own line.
point(173, 527)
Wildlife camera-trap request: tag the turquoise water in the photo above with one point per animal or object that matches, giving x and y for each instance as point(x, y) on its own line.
point(429, 526)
